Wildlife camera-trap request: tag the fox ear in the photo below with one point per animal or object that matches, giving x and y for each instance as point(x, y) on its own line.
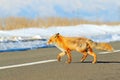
point(57, 35)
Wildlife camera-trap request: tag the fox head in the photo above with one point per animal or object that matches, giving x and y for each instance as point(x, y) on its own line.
point(53, 39)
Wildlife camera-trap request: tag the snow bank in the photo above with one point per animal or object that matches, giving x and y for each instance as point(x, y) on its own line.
point(35, 37)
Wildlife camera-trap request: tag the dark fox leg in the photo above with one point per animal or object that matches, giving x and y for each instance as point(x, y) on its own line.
point(84, 56)
point(69, 57)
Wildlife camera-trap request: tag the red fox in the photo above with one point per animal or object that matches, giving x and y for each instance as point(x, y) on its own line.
point(80, 44)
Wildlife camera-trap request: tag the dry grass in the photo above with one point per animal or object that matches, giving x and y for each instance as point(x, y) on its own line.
point(21, 22)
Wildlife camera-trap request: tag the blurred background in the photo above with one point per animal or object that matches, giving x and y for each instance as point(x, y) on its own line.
point(16, 14)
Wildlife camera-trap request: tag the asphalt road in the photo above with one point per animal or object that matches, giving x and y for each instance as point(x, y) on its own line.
point(107, 67)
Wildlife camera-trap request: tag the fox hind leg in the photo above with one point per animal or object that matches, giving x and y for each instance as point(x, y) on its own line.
point(84, 56)
point(90, 52)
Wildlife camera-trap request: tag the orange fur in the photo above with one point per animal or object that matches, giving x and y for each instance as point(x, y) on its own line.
point(100, 45)
point(67, 44)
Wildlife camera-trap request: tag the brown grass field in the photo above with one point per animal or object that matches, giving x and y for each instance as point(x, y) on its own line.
point(11, 23)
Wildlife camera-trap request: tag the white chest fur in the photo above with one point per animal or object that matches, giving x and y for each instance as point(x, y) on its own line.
point(59, 47)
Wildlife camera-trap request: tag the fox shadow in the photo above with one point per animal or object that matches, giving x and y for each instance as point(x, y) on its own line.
point(100, 62)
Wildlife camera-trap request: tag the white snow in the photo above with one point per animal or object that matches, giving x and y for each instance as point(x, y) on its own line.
point(97, 33)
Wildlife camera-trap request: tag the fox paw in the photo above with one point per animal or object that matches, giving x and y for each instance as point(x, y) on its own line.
point(81, 61)
point(68, 62)
point(59, 60)
point(94, 62)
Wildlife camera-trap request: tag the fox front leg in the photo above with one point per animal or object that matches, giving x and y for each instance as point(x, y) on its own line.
point(60, 55)
point(69, 58)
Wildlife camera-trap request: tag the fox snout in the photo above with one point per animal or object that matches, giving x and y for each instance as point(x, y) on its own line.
point(49, 42)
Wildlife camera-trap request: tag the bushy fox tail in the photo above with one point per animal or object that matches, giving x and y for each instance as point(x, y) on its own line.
point(101, 45)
